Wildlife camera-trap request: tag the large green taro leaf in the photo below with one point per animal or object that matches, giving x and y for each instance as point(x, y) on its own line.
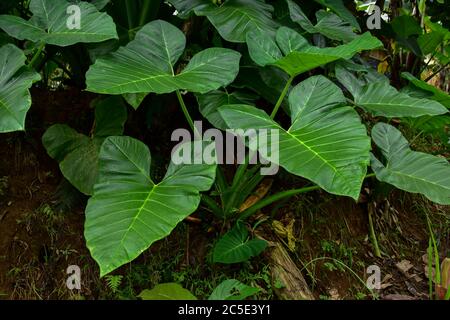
point(292, 53)
point(49, 24)
point(129, 211)
point(15, 80)
point(328, 24)
point(233, 19)
point(326, 143)
point(409, 170)
point(77, 153)
point(146, 65)
point(381, 99)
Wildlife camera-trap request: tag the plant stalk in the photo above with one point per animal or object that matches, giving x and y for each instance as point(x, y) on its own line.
point(435, 73)
point(280, 196)
point(274, 198)
point(209, 202)
point(430, 267)
point(240, 173)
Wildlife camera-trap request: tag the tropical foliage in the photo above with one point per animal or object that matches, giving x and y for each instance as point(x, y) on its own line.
point(298, 68)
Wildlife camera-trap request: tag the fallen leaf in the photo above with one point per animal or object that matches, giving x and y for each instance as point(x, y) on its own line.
point(427, 273)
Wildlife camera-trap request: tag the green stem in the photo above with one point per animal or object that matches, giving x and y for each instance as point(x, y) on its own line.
point(36, 55)
point(247, 188)
point(373, 236)
point(212, 205)
point(186, 114)
point(430, 267)
point(427, 63)
point(221, 186)
point(240, 173)
point(62, 66)
point(221, 180)
point(281, 98)
point(279, 196)
point(422, 15)
point(436, 251)
point(351, 102)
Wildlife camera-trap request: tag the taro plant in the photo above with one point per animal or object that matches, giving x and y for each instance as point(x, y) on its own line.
point(301, 76)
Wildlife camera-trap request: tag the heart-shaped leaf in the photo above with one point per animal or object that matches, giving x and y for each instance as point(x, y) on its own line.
point(209, 104)
point(15, 80)
point(378, 97)
point(326, 143)
point(408, 170)
point(128, 211)
point(328, 24)
point(76, 153)
point(292, 53)
point(167, 291)
point(235, 247)
point(51, 23)
point(381, 99)
point(147, 64)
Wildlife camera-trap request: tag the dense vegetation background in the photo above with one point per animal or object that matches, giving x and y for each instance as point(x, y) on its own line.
point(87, 114)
